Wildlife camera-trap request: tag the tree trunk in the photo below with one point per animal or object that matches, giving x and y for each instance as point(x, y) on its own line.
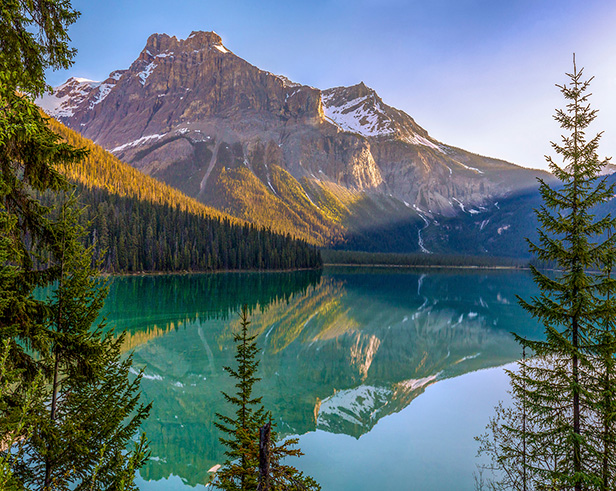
point(264, 457)
point(577, 461)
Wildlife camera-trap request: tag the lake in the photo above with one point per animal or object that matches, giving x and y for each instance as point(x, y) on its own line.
point(385, 374)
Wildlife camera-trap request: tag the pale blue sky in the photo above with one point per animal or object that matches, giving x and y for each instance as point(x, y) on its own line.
point(478, 74)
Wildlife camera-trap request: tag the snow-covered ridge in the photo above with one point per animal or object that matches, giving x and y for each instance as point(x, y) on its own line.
point(608, 170)
point(348, 404)
point(364, 115)
point(366, 404)
point(66, 98)
point(75, 92)
point(367, 116)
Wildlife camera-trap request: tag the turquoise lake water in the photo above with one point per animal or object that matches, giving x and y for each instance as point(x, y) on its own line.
point(386, 375)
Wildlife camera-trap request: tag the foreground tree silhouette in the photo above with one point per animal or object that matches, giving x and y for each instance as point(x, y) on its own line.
point(241, 470)
point(562, 387)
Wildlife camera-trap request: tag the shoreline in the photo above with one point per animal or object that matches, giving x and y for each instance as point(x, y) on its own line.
point(336, 265)
point(217, 271)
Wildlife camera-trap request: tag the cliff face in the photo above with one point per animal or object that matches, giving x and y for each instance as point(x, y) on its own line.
point(192, 113)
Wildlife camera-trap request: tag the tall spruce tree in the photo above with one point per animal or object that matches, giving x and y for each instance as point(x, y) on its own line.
point(562, 388)
point(91, 410)
point(242, 431)
point(18, 422)
point(604, 378)
point(72, 433)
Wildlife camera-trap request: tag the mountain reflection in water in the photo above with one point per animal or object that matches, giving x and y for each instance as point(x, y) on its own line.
point(339, 351)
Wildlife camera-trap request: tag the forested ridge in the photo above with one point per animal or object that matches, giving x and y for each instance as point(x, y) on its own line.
point(137, 223)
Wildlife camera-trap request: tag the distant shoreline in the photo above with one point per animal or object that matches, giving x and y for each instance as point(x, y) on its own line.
point(426, 266)
point(420, 260)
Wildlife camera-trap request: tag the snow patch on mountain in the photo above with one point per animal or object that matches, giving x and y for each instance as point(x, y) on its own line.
point(103, 91)
point(145, 375)
point(143, 75)
point(474, 169)
point(57, 107)
point(414, 384)
point(420, 140)
point(139, 141)
point(503, 229)
point(460, 204)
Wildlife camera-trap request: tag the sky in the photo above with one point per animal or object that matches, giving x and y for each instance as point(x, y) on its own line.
point(476, 74)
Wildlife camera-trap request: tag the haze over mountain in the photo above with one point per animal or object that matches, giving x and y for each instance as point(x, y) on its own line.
point(337, 166)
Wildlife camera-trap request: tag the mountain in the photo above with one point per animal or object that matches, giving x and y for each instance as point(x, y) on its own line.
point(336, 167)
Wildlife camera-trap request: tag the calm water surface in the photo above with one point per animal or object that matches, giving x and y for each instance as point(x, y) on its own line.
point(386, 375)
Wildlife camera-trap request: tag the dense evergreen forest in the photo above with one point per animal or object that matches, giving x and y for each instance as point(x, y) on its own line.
point(131, 235)
point(137, 223)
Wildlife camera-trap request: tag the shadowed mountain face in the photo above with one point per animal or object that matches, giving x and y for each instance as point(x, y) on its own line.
point(338, 352)
point(326, 165)
point(503, 228)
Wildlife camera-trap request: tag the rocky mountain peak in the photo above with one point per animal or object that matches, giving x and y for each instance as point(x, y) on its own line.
point(359, 90)
point(359, 109)
point(161, 44)
point(202, 39)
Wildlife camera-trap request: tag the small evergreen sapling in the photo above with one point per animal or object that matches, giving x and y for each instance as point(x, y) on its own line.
point(241, 470)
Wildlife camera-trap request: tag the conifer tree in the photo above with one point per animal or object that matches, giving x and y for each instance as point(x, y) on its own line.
point(562, 387)
point(18, 422)
point(71, 433)
point(604, 377)
point(91, 411)
point(241, 470)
